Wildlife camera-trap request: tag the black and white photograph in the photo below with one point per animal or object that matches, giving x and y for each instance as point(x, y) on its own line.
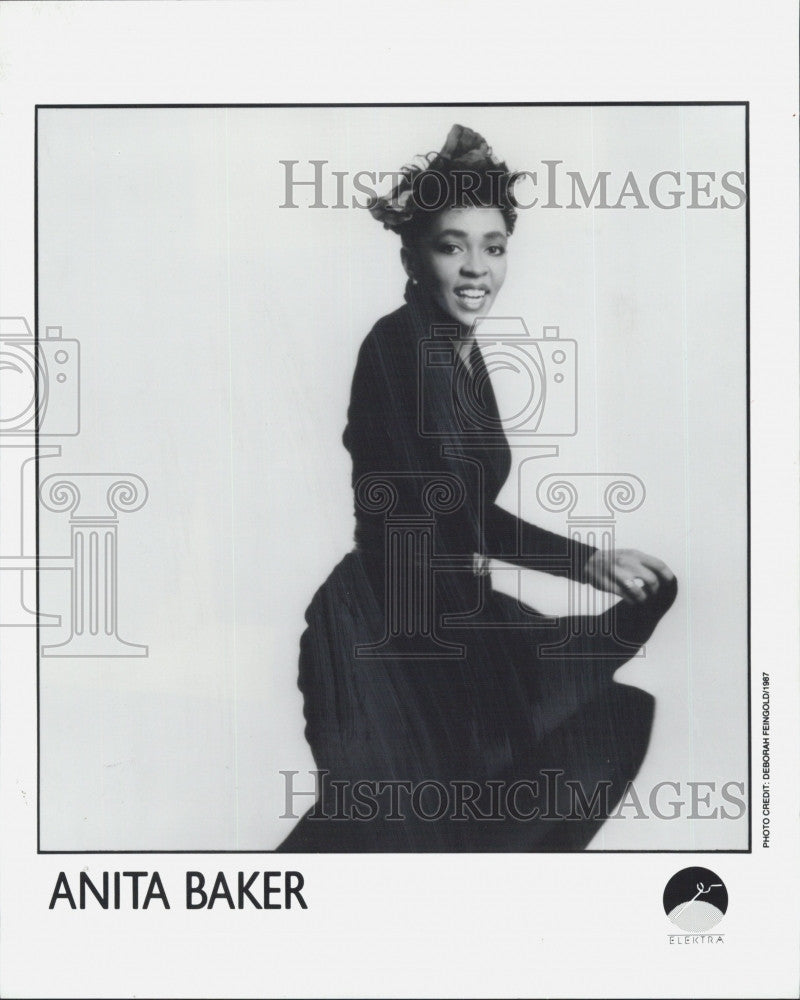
point(427, 478)
point(398, 424)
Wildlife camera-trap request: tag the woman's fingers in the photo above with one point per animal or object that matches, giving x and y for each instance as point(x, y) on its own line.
point(648, 578)
point(637, 577)
point(634, 588)
point(612, 585)
point(660, 568)
point(631, 575)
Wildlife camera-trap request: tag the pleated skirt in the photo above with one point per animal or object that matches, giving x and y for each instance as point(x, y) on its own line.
point(488, 726)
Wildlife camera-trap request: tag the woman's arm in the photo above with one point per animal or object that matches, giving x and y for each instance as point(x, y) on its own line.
point(632, 575)
point(514, 540)
point(383, 436)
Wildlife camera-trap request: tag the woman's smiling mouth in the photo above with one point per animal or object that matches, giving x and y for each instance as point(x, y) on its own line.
point(470, 296)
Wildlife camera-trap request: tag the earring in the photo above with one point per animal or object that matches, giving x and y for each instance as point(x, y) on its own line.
point(413, 281)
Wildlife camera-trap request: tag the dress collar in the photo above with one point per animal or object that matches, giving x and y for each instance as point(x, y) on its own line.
point(427, 314)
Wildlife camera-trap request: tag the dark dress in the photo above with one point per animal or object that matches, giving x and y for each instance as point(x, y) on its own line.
point(446, 712)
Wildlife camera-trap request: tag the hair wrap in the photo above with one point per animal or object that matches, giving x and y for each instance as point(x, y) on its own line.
point(464, 173)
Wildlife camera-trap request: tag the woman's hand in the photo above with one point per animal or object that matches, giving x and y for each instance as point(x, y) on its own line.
point(632, 575)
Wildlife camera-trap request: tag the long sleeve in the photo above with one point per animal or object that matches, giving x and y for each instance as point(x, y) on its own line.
point(514, 540)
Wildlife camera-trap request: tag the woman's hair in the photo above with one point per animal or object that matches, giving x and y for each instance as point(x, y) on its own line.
point(464, 174)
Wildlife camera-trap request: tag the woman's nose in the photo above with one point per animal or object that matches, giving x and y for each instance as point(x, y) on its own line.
point(474, 265)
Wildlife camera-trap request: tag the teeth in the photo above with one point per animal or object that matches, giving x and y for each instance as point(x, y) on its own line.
point(471, 294)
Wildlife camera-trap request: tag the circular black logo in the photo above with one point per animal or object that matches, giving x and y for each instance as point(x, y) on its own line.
point(695, 899)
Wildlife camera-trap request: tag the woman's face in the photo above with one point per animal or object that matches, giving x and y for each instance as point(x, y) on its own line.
point(461, 261)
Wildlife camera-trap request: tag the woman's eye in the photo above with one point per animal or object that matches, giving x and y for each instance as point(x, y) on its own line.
point(497, 250)
point(450, 248)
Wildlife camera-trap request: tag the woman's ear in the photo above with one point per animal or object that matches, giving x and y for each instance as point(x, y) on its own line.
point(408, 257)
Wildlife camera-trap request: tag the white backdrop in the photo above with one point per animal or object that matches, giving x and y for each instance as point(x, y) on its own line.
point(218, 336)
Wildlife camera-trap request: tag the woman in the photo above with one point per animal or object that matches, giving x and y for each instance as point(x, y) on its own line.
point(444, 715)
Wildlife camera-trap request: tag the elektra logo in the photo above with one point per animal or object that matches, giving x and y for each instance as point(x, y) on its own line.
point(695, 899)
